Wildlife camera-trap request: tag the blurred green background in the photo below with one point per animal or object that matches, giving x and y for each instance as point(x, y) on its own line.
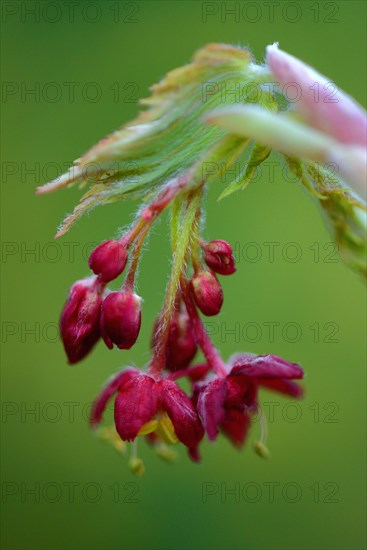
point(84, 496)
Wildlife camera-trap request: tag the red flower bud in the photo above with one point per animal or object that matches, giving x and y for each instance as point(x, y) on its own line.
point(218, 256)
point(207, 293)
point(108, 260)
point(79, 323)
point(181, 345)
point(121, 319)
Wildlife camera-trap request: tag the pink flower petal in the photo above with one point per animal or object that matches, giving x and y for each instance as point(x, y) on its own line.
point(351, 162)
point(324, 106)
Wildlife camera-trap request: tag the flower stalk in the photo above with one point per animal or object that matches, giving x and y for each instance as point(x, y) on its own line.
point(181, 246)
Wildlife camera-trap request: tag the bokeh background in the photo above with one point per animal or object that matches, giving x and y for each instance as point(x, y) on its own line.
point(63, 488)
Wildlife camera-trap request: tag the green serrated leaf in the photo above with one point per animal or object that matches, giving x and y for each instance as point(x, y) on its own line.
point(169, 137)
point(195, 118)
point(297, 167)
point(258, 155)
point(344, 212)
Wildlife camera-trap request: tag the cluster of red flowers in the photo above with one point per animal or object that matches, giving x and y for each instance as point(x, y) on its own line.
point(92, 312)
point(223, 397)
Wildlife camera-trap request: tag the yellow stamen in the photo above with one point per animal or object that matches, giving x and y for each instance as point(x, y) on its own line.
point(136, 465)
point(165, 430)
point(259, 446)
point(261, 449)
point(149, 427)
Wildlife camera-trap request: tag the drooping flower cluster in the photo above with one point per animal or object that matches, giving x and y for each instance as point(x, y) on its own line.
point(92, 312)
point(150, 403)
point(171, 147)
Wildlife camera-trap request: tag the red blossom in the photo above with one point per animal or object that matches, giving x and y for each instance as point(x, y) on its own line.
point(79, 322)
point(108, 391)
point(181, 343)
point(136, 403)
point(207, 292)
point(121, 319)
point(140, 398)
point(225, 403)
point(218, 256)
point(108, 260)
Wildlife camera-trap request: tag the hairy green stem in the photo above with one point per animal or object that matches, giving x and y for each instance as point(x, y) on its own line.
point(129, 283)
point(181, 224)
